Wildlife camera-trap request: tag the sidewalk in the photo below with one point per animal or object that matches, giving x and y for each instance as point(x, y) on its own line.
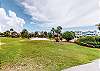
point(94, 66)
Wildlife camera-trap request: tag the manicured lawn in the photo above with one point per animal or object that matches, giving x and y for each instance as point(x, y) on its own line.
point(27, 55)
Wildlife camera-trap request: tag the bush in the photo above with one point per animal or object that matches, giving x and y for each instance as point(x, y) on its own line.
point(89, 41)
point(97, 38)
point(86, 39)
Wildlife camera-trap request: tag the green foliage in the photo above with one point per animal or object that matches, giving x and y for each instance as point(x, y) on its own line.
point(58, 30)
point(89, 41)
point(98, 25)
point(87, 38)
point(52, 31)
point(24, 33)
point(11, 29)
point(36, 34)
point(43, 34)
point(50, 35)
point(68, 35)
point(15, 34)
point(56, 33)
point(7, 33)
point(2, 34)
point(97, 38)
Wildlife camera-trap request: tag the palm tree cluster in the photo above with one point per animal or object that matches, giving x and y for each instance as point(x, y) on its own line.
point(9, 33)
point(23, 34)
point(55, 33)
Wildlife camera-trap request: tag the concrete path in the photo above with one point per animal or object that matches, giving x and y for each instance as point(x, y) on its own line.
point(39, 38)
point(94, 66)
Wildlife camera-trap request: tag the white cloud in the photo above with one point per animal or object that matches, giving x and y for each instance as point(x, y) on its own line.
point(32, 10)
point(10, 21)
point(68, 13)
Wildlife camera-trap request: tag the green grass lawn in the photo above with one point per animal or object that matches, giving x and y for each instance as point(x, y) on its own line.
point(27, 55)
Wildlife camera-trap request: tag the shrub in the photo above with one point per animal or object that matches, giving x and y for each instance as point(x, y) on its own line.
point(89, 41)
point(97, 38)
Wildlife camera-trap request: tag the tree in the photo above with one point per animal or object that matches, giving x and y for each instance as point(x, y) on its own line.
point(61, 38)
point(98, 26)
point(58, 36)
point(41, 35)
point(11, 32)
point(53, 31)
point(14, 34)
point(57, 39)
point(50, 35)
point(2, 34)
point(68, 35)
point(30, 35)
point(58, 31)
point(36, 34)
point(7, 33)
point(45, 34)
point(11, 29)
point(24, 33)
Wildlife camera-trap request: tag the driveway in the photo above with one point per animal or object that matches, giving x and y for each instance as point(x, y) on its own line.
point(94, 66)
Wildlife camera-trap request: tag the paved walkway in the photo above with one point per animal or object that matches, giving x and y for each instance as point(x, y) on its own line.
point(94, 66)
point(39, 38)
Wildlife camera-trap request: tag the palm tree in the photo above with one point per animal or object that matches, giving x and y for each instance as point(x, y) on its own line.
point(59, 28)
point(7, 33)
point(36, 34)
point(41, 34)
point(14, 34)
point(45, 34)
point(11, 29)
point(56, 33)
point(53, 31)
point(24, 33)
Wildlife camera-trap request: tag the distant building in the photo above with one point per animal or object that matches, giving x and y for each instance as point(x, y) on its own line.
point(87, 33)
point(78, 33)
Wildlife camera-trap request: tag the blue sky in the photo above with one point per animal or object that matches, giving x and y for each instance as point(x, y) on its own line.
point(36, 15)
point(15, 6)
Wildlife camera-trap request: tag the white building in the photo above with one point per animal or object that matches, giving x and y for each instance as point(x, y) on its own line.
point(78, 33)
point(87, 33)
